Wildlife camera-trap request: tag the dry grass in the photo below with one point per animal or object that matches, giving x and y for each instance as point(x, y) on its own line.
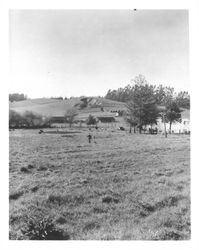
point(126, 187)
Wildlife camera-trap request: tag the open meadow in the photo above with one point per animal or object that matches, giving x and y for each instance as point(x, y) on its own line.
point(119, 187)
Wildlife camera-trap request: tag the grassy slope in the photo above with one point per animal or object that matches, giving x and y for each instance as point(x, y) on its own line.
point(121, 187)
point(52, 107)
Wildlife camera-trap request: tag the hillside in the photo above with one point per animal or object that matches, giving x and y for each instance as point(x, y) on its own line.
point(53, 107)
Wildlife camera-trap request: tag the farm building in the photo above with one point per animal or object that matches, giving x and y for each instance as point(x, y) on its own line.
point(177, 127)
point(106, 119)
point(57, 119)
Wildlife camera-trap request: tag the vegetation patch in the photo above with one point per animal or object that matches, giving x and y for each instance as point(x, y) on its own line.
point(61, 220)
point(42, 168)
point(169, 235)
point(65, 199)
point(30, 166)
point(24, 170)
point(169, 201)
point(91, 226)
point(110, 199)
point(16, 195)
point(34, 189)
point(99, 210)
point(43, 229)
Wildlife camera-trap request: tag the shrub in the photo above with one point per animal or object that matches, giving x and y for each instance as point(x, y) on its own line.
point(43, 230)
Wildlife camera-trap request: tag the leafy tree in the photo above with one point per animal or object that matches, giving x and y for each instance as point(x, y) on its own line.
point(130, 119)
point(70, 116)
point(183, 99)
point(142, 108)
point(91, 120)
point(164, 95)
point(173, 113)
point(167, 97)
point(15, 119)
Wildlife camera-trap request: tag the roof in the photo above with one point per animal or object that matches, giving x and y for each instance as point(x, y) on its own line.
point(106, 119)
point(57, 118)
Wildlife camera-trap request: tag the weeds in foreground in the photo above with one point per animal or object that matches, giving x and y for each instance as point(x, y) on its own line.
point(43, 230)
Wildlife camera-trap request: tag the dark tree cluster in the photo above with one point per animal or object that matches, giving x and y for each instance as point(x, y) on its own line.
point(16, 97)
point(27, 120)
point(91, 120)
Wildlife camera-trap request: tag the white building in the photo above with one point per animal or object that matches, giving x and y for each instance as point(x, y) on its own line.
point(177, 127)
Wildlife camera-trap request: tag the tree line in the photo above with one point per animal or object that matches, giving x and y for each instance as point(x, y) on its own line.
point(146, 103)
point(160, 93)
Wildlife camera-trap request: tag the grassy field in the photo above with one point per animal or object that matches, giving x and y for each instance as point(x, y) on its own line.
point(120, 187)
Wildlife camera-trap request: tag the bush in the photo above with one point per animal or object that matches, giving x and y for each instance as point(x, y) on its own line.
point(43, 230)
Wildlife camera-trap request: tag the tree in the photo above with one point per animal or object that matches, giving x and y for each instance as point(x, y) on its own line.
point(70, 116)
point(167, 97)
point(183, 99)
point(15, 119)
point(91, 120)
point(173, 113)
point(142, 108)
point(130, 119)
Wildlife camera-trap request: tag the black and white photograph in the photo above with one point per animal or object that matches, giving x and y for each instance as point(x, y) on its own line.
point(99, 125)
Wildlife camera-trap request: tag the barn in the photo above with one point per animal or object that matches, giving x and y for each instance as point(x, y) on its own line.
point(105, 120)
point(57, 119)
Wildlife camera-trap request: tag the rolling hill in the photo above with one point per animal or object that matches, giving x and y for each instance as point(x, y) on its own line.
point(54, 107)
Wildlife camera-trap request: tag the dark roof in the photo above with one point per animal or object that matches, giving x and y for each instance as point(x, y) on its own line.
point(106, 119)
point(57, 118)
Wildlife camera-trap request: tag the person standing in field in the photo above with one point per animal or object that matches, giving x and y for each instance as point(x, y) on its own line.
point(89, 138)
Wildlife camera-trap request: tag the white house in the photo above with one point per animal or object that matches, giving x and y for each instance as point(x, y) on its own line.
point(177, 127)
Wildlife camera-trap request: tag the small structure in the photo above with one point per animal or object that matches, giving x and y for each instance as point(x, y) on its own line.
point(105, 120)
point(58, 119)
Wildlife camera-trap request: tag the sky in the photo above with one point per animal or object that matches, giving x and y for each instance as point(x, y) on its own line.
point(87, 52)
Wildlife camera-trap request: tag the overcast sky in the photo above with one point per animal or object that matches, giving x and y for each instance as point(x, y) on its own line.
point(86, 52)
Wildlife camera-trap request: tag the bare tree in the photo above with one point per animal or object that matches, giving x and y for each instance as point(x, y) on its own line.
point(70, 116)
